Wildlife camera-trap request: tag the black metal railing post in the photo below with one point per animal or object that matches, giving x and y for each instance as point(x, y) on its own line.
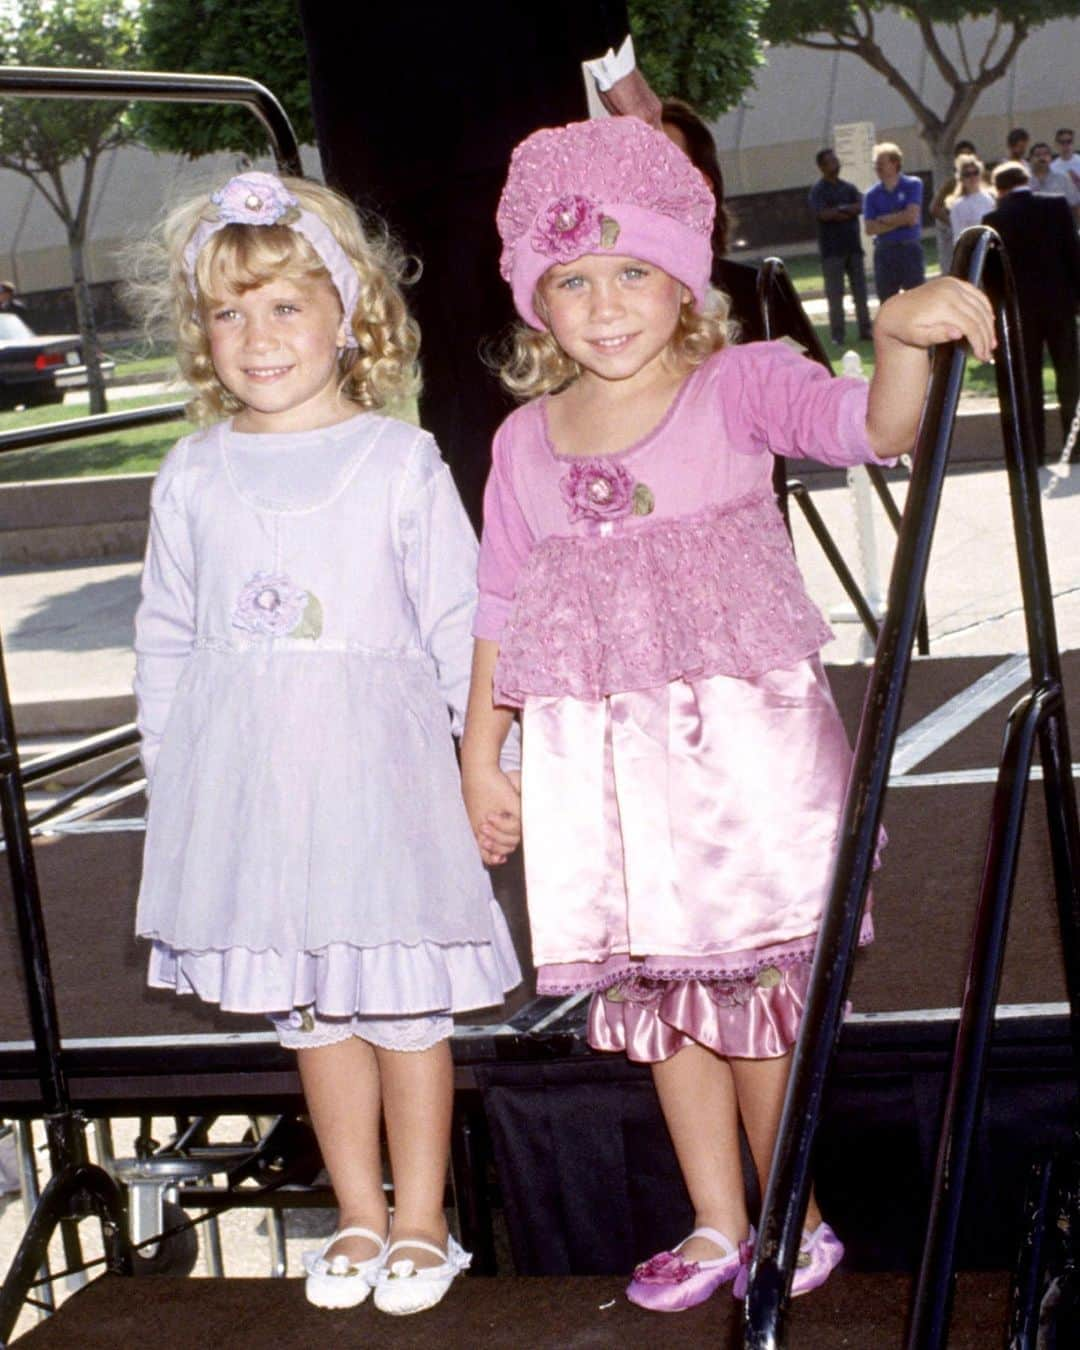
point(78, 1187)
point(789, 1184)
point(1040, 716)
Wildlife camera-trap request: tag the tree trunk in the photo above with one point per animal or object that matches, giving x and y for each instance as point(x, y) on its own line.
point(87, 329)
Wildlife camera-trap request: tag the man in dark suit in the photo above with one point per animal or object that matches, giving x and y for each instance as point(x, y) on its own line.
point(1040, 237)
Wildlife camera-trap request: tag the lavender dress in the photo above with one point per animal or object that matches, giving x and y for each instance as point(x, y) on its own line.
point(684, 762)
point(303, 652)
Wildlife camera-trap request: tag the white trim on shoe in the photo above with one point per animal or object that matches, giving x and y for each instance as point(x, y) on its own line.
point(339, 1282)
point(403, 1287)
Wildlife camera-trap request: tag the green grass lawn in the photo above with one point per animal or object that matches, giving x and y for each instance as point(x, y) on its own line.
point(979, 379)
point(139, 450)
point(805, 270)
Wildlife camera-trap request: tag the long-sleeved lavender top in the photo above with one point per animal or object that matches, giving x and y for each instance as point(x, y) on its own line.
point(681, 566)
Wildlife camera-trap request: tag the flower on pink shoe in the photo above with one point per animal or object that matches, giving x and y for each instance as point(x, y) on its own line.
point(666, 1268)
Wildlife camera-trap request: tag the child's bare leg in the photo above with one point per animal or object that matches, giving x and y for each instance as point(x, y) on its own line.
point(697, 1095)
point(418, 1099)
point(760, 1085)
point(341, 1086)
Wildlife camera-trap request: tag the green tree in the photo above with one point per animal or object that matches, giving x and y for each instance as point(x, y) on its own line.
point(704, 51)
point(261, 39)
point(968, 59)
point(43, 138)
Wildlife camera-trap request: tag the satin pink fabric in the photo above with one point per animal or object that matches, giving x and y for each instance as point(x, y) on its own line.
point(694, 820)
point(653, 1020)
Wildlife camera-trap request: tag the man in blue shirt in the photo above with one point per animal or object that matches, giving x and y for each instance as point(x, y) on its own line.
point(893, 211)
point(836, 206)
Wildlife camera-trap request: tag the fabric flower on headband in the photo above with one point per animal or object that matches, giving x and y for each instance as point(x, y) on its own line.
point(263, 199)
point(255, 199)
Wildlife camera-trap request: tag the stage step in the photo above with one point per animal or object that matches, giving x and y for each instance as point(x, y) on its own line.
point(864, 1312)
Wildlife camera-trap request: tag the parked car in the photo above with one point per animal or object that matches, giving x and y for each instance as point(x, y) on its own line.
point(40, 369)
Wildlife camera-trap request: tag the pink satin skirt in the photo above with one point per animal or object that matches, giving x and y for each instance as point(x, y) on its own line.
point(679, 844)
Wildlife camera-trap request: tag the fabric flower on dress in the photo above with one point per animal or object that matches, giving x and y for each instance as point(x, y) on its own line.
point(601, 489)
point(255, 199)
point(271, 606)
point(569, 226)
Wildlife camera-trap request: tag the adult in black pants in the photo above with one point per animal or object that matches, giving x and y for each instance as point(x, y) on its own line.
point(417, 108)
point(1040, 237)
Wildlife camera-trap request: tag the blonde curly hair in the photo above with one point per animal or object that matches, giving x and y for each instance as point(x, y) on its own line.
point(531, 362)
point(381, 369)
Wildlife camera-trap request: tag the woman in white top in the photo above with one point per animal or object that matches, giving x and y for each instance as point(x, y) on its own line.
point(971, 201)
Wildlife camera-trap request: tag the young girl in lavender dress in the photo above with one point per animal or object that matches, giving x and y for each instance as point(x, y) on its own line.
point(684, 763)
point(303, 637)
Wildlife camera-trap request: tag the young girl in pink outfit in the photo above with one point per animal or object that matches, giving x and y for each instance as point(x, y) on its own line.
point(684, 763)
point(303, 636)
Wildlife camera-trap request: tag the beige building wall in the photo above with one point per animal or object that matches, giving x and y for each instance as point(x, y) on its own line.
point(769, 142)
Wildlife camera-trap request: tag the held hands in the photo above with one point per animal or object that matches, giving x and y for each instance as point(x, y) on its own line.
point(943, 310)
point(493, 804)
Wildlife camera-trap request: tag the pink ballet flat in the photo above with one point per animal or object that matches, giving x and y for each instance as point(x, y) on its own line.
point(667, 1282)
point(820, 1252)
point(746, 1255)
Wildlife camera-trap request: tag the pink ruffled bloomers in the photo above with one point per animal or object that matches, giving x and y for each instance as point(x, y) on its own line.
point(650, 1009)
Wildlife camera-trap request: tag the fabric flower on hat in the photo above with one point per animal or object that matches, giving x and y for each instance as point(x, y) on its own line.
point(253, 199)
point(570, 226)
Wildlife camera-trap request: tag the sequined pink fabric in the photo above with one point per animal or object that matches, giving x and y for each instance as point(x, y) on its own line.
point(717, 593)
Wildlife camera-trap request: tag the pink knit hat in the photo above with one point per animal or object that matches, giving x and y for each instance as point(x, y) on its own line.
point(611, 185)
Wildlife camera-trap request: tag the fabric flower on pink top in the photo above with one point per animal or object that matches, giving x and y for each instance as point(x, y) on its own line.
point(570, 226)
point(254, 199)
point(597, 489)
point(601, 489)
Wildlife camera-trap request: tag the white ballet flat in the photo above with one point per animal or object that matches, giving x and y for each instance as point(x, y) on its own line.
point(402, 1287)
point(339, 1282)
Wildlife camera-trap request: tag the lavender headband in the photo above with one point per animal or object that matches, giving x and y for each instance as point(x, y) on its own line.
point(263, 199)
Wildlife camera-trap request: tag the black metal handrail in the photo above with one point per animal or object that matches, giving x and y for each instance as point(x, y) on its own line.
point(76, 1185)
point(78, 428)
point(82, 752)
point(980, 257)
point(160, 86)
point(783, 314)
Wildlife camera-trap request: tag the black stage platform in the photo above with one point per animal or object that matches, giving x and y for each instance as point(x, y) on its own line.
point(584, 1169)
point(864, 1313)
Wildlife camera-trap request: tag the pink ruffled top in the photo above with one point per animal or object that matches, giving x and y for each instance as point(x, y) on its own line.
point(669, 559)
